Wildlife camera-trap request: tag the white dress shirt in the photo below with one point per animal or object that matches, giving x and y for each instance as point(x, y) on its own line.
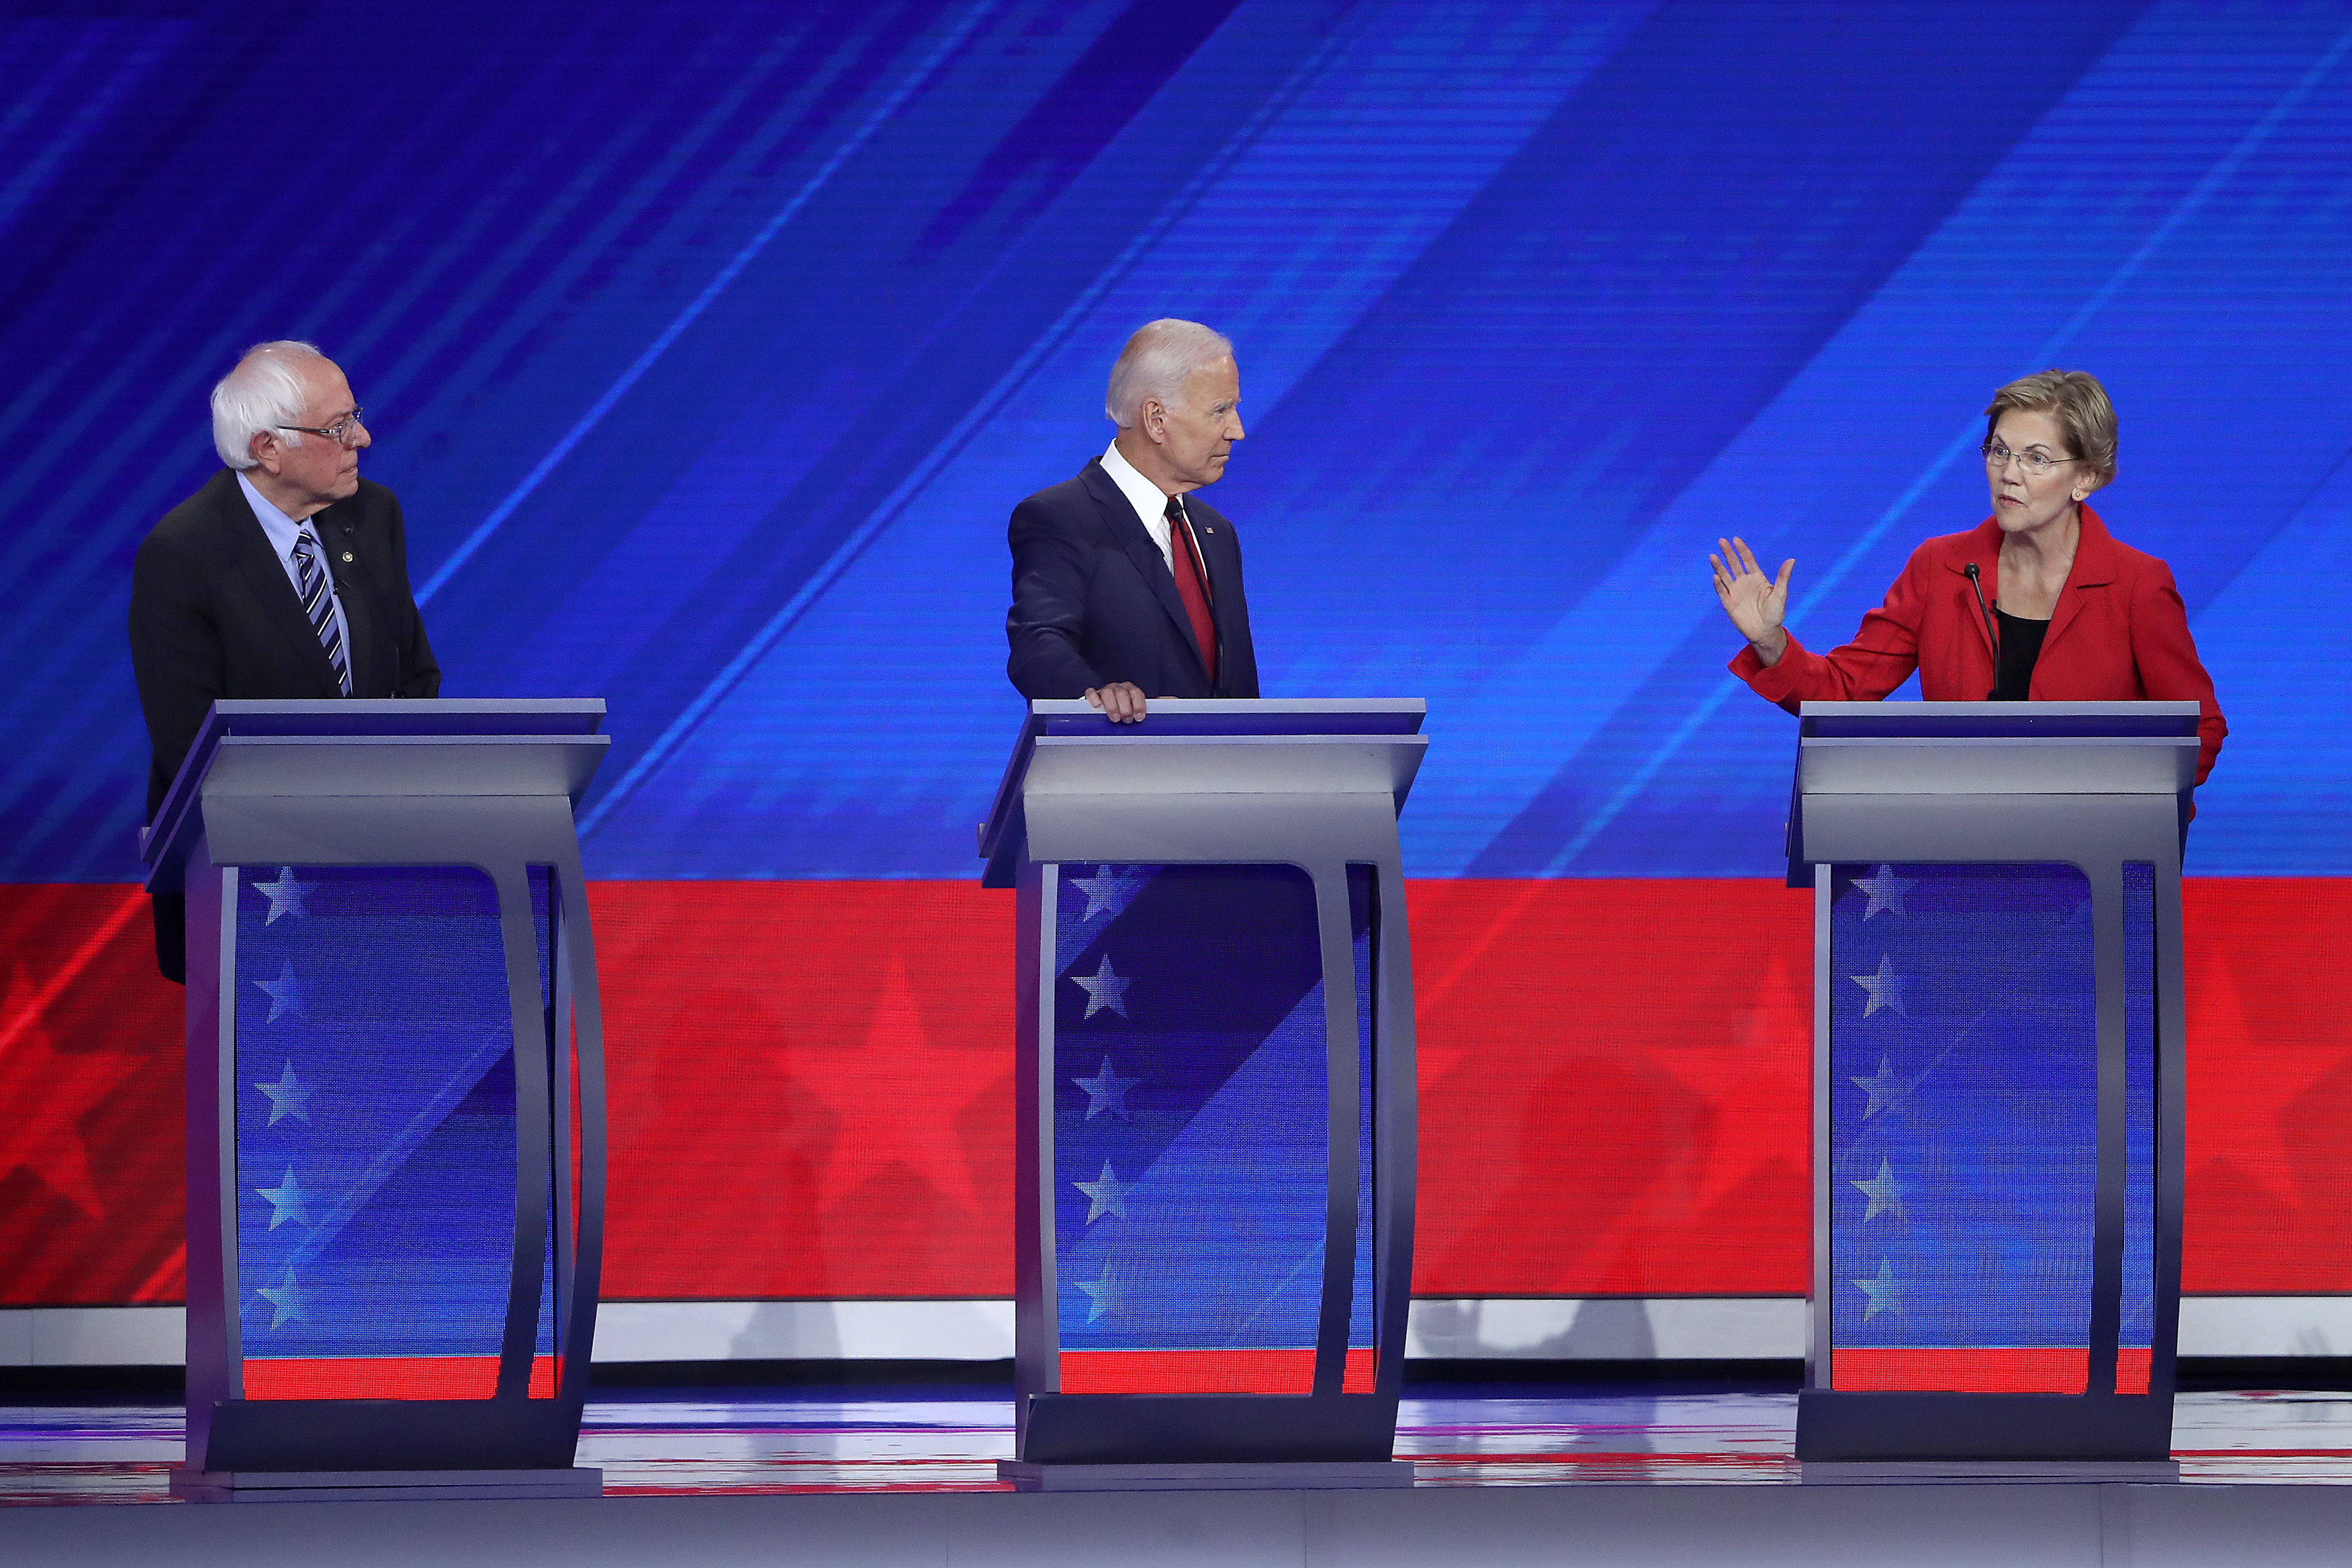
point(1151, 503)
point(283, 531)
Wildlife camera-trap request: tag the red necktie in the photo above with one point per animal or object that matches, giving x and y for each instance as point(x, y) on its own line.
point(1189, 586)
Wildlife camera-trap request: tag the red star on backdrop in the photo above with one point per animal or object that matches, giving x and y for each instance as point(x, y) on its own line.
point(1765, 1115)
point(900, 1102)
point(47, 1091)
point(2242, 1088)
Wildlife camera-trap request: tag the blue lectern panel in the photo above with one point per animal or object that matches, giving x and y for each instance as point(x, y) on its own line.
point(1363, 1323)
point(1964, 1101)
point(2139, 1331)
point(1190, 1106)
point(375, 1131)
point(561, 1070)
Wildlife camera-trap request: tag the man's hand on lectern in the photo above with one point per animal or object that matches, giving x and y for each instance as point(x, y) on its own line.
point(1121, 701)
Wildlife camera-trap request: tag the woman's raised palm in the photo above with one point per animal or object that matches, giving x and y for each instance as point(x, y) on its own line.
point(1755, 602)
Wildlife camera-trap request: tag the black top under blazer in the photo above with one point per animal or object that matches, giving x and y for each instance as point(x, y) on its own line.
point(1094, 603)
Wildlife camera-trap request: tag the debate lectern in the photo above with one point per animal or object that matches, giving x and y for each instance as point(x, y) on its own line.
point(1997, 1077)
point(1214, 1090)
point(395, 1097)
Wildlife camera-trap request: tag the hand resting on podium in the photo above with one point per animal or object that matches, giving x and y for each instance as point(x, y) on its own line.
point(1121, 701)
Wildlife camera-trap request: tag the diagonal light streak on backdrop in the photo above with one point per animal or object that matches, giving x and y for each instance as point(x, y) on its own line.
point(856, 143)
point(2187, 207)
point(894, 505)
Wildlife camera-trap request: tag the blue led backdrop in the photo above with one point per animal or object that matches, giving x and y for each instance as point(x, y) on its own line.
point(708, 346)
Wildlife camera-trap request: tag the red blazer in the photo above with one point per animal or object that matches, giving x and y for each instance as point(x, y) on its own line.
point(2119, 633)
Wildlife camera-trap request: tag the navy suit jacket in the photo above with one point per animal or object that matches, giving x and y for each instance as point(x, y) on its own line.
point(1093, 601)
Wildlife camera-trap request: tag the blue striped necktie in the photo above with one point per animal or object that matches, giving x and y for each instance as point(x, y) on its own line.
point(320, 607)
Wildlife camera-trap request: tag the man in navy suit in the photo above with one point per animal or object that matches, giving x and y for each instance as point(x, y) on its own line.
point(1122, 589)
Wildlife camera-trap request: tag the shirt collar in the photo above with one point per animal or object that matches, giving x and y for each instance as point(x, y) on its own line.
point(1150, 503)
point(282, 529)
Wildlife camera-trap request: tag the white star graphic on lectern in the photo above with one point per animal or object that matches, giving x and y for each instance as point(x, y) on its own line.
point(1102, 1291)
point(1886, 1291)
point(1105, 887)
point(290, 1096)
point(1883, 1087)
point(1886, 890)
point(286, 1201)
point(1885, 1194)
point(285, 993)
point(1886, 988)
point(287, 1296)
point(1107, 1091)
point(285, 894)
point(1106, 1193)
point(1106, 987)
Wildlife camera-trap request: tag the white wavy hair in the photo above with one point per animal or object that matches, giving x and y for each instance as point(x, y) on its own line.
point(1157, 362)
point(262, 393)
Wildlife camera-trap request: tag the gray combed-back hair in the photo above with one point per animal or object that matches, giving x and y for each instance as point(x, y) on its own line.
point(1157, 361)
point(262, 393)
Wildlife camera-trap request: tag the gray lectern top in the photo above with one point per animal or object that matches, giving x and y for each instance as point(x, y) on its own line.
point(1996, 748)
point(1253, 746)
point(2013, 749)
point(373, 746)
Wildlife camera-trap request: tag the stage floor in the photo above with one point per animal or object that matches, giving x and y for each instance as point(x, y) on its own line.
point(880, 1440)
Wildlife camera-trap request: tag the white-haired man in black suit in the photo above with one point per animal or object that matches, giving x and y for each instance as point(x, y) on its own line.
point(286, 576)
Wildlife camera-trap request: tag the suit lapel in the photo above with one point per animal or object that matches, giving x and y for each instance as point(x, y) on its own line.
point(1984, 549)
point(267, 576)
point(2094, 567)
point(1137, 541)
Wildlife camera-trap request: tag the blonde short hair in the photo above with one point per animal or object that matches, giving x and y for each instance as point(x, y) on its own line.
point(2080, 407)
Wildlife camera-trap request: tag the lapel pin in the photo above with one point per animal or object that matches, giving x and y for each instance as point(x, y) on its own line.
point(347, 556)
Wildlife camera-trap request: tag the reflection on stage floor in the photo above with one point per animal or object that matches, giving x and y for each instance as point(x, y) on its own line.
point(706, 1442)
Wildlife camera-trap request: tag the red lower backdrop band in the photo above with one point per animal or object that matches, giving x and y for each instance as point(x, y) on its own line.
point(1207, 1371)
point(387, 1377)
point(811, 1090)
point(2011, 1369)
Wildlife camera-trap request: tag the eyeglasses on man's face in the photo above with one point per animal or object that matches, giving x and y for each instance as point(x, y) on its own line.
point(340, 431)
point(1996, 456)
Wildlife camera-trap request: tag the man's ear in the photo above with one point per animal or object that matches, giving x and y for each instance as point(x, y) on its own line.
point(262, 449)
point(1154, 420)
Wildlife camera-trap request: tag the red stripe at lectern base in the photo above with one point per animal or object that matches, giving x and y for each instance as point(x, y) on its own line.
point(387, 1377)
point(1205, 1371)
point(2002, 1369)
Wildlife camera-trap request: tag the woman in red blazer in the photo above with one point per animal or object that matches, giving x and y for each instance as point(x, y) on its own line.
point(2080, 616)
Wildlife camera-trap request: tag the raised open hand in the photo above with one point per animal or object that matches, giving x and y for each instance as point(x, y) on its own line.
point(1754, 601)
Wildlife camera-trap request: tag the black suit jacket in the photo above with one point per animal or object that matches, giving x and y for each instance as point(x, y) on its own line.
point(213, 615)
point(1093, 601)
